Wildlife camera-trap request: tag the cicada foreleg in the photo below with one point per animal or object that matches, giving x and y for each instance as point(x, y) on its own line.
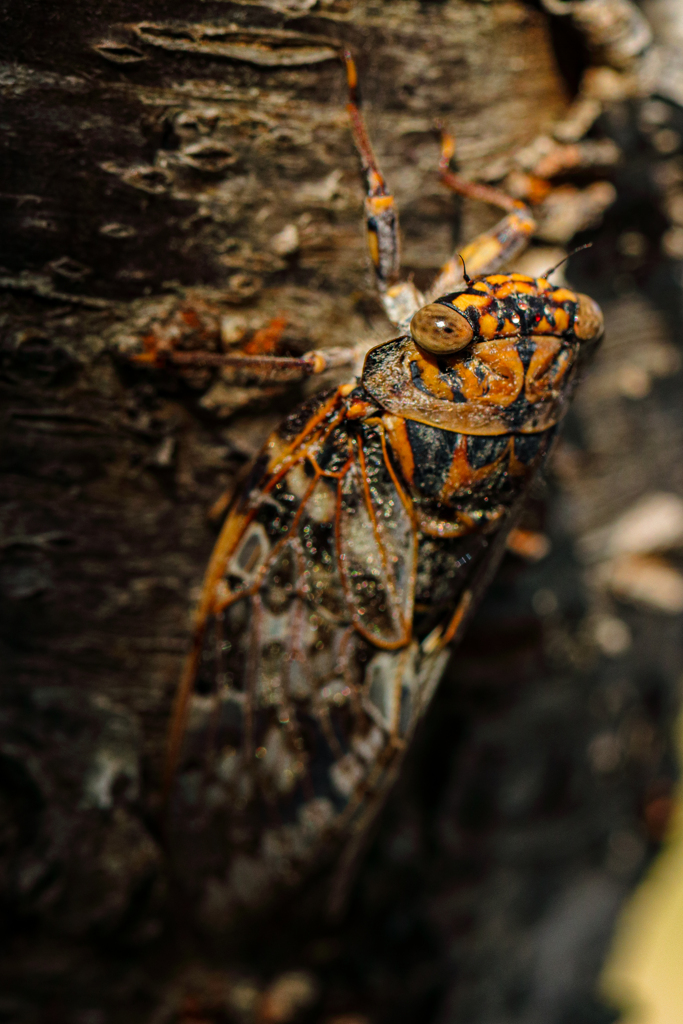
point(491, 250)
point(400, 298)
point(246, 369)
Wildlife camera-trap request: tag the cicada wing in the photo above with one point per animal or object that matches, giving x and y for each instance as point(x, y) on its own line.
point(400, 684)
point(289, 722)
point(377, 544)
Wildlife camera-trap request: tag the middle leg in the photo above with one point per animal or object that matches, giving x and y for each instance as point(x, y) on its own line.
point(491, 250)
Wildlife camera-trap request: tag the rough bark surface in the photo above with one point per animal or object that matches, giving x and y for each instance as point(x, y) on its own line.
point(150, 150)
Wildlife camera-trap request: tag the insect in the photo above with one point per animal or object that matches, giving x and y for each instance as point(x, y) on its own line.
point(348, 564)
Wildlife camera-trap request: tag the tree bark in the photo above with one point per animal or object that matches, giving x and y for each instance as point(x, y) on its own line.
point(161, 158)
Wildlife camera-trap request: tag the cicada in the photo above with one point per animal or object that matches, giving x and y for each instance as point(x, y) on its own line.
point(349, 563)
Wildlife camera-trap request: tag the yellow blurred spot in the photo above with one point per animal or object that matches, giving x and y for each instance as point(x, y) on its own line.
point(373, 246)
point(644, 974)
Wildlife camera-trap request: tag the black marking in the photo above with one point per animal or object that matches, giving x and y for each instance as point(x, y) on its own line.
point(444, 567)
point(516, 414)
point(334, 454)
point(449, 375)
point(417, 379)
point(253, 480)
point(433, 450)
point(297, 420)
point(481, 451)
point(529, 446)
point(525, 349)
point(277, 510)
point(251, 553)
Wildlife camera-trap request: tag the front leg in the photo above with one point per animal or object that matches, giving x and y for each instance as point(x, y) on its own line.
point(256, 369)
point(255, 362)
point(401, 299)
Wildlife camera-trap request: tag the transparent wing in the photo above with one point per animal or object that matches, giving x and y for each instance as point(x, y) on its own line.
point(299, 692)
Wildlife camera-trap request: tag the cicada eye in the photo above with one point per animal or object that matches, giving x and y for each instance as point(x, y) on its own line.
point(588, 321)
point(440, 329)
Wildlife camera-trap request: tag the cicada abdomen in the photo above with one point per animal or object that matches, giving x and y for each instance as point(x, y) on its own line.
point(344, 573)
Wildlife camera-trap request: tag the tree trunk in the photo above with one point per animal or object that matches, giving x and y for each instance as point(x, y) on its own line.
point(165, 162)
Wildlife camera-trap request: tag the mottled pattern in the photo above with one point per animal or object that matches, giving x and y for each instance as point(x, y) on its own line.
point(529, 340)
point(345, 568)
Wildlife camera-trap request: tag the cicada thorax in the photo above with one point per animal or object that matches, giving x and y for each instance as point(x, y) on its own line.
point(472, 400)
point(463, 488)
point(371, 515)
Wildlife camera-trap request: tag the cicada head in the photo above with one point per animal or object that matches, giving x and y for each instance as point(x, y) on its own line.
point(501, 356)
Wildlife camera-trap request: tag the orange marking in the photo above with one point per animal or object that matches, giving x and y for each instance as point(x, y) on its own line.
point(378, 204)
point(376, 183)
point(189, 317)
point(351, 72)
point(432, 526)
point(308, 429)
point(295, 456)
point(537, 189)
point(563, 295)
point(561, 320)
point(265, 340)
point(447, 149)
point(467, 299)
point(503, 290)
point(400, 444)
point(225, 545)
point(431, 377)
point(523, 225)
point(515, 467)
point(508, 328)
point(358, 410)
point(373, 246)
point(515, 287)
point(460, 613)
point(488, 325)
point(145, 358)
point(460, 473)
point(405, 498)
point(547, 366)
point(530, 544)
point(493, 375)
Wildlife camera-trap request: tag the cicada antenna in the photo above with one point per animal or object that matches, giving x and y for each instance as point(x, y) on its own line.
point(588, 245)
point(468, 279)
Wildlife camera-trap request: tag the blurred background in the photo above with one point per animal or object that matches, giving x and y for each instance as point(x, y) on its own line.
point(190, 171)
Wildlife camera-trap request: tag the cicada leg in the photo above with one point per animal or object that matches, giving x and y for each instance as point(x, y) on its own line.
point(400, 298)
point(244, 368)
point(492, 249)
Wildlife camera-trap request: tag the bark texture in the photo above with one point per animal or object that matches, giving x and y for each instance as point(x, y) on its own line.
point(199, 153)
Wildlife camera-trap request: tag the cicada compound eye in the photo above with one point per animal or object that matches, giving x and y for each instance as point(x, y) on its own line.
point(440, 329)
point(588, 320)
